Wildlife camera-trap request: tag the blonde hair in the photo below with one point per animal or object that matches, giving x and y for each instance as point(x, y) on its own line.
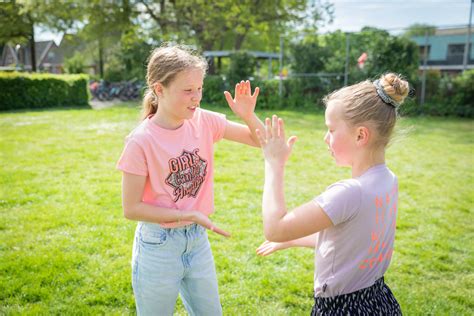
point(362, 104)
point(164, 64)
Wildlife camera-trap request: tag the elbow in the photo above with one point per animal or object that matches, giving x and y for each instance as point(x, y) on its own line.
point(129, 213)
point(273, 235)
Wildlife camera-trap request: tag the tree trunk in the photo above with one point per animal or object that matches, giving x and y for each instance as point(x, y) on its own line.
point(239, 40)
point(101, 60)
point(32, 48)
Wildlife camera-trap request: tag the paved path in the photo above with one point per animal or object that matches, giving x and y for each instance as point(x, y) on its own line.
point(96, 104)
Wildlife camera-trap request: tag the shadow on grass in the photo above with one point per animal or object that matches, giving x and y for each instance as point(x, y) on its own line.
point(119, 104)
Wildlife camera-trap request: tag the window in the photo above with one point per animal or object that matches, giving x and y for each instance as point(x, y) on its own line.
point(455, 50)
point(456, 53)
point(422, 51)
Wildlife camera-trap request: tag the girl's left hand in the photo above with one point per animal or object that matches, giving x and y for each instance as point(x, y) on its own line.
point(269, 247)
point(243, 105)
point(275, 149)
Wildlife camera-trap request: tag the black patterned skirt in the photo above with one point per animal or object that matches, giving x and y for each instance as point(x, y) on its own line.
point(373, 300)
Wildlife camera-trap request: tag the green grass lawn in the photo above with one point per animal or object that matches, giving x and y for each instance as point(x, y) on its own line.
point(65, 246)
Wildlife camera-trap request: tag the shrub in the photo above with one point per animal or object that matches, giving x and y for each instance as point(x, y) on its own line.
point(242, 67)
point(269, 97)
point(75, 64)
point(463, 100)
point(213, 91)
point(21, 90)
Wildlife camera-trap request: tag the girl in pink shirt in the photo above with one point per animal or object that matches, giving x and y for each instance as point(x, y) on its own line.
point(167, 183)
point(352, 224)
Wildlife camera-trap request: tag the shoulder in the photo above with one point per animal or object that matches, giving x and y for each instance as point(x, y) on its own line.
point(341, 200)
point(346, 186)
point(140, 134)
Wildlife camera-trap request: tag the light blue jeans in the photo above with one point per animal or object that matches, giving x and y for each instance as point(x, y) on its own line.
point(168, 261)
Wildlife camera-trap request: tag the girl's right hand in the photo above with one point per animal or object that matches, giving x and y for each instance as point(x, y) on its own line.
point(205, 222)
point(276, 149)
point(269, 247)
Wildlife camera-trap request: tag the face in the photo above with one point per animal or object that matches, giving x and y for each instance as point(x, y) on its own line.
point(340, 138)
point(179, 100)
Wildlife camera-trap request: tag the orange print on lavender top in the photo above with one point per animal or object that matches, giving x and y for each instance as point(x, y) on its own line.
point(378, 251)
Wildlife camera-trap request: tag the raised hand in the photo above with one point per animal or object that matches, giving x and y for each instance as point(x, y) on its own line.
point(205, 222)
point(269, 247)
point(243, 103)
point(272, 140)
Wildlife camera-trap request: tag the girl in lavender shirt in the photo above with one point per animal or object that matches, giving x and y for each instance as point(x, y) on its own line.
point(352, 224)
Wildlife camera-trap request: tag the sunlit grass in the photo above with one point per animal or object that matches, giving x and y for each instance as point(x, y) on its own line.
point(65, 246)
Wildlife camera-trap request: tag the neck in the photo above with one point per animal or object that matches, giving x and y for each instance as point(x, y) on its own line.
point(166, 120)
point(366, 160)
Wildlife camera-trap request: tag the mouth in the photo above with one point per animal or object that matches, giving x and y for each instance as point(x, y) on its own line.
point(193, 108)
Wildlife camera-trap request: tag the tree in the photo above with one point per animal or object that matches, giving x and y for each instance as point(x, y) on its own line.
point(420, 30)
point(223, 24)
point(22, 17)
point(104, 24)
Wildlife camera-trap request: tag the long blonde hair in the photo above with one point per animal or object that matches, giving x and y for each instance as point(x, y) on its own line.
point(164, 64)
point(362, 104)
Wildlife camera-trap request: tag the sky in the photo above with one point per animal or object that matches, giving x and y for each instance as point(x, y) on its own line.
point(352, 15)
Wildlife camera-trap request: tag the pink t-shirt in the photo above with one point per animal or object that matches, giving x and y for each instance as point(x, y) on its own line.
point(356, 251)
point(178, 164)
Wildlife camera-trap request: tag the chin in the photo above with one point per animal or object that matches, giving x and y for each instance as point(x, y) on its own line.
point(189, 115)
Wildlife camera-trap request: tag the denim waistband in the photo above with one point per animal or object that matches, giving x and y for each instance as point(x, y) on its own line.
point(187, 228)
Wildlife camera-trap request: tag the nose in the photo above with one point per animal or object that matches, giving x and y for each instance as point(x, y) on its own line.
point(326, 138)
point(197, 96)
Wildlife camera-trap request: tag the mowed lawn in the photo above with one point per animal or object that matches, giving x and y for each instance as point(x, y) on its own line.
point(65, 246)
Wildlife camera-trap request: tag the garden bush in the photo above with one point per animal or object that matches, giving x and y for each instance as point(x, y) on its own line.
point(23, 90)
point(213, 91)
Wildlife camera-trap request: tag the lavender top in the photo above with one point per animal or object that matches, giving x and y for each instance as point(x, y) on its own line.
point(356, 251)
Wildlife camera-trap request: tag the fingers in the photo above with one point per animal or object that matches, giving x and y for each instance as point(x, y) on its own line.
point(256, 92)
point(229, 99)
point(281, 128)
point(265, 249)
point(219, 231)
point(268, 129)
point(291, 142)
point(237, 89)
point(275, 127)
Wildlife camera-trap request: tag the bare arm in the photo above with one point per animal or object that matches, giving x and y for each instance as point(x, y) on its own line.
point(135, 209)
point(269, 247)
point(242, 134)
point(279, 225)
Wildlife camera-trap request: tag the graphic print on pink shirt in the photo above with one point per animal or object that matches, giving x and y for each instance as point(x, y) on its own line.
point(187, 173)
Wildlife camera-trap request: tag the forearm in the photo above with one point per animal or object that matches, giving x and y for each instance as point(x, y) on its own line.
point(254, 123)
point(273, 205)
point(150, 213)
point(308, 241)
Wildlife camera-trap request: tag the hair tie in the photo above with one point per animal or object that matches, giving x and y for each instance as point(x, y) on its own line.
point(383, 95)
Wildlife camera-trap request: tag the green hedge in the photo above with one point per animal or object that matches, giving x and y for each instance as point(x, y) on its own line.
point(213, 91)
point(445, 96)
point(23, 90)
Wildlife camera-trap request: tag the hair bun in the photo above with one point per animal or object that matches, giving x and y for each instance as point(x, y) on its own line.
point(395, 87)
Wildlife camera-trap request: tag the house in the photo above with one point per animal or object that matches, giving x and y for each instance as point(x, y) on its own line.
point(445, 50)
point(49, 56)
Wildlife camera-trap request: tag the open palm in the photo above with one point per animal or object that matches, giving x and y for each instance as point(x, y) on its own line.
point(243, 103)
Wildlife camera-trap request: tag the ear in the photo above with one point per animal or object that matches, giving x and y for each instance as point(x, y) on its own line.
point(362, 135)
point(158, 88)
